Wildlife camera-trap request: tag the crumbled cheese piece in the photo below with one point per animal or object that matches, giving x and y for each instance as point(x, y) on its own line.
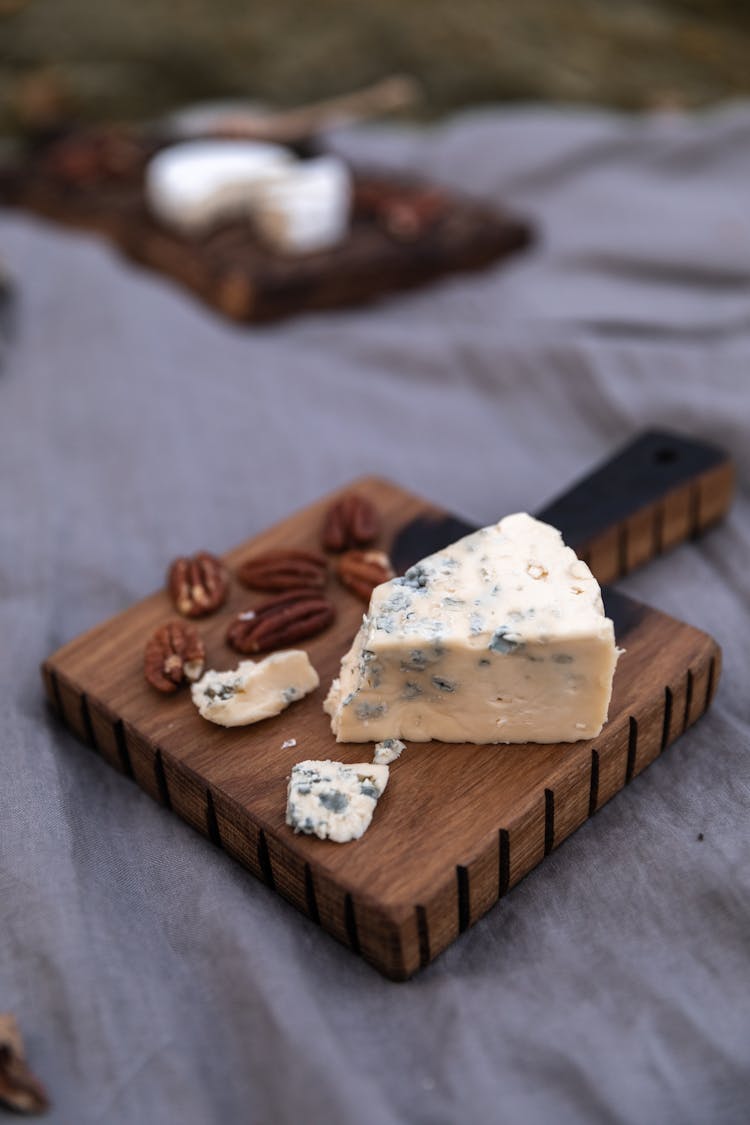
point(288, 743)
point(332, 800)
point(196, 184)
point(501, 637)
point(388, 750)
point(307, 208)
point(254, 691)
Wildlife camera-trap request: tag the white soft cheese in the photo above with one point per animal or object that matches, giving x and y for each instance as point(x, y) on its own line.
point(194, 185)
point(332, 800)
point(501, 637)
point(255, 691)
point(305, 209)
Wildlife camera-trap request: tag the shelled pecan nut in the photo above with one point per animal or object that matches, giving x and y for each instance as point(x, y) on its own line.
point(281, 621)
point(198, 584)
point(351, 521)
point(90, 157)
point(403, 211)
point(362, 571)
point(283, 570)
point(174, 655)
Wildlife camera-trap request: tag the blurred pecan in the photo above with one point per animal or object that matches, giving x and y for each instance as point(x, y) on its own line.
point(351, 521)
point(174, 655)
point(19, 1089)
point(281, 621)
point(404, 211)
point(198, 585)
point(362, 571)
point(91, 157)
point(283, 570)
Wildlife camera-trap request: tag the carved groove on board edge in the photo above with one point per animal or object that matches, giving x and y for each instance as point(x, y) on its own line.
point(503, 862)
point(350, 922)
point(123, 753)
point(657, 530)
point(264, 860)
point(688, 700)
point(694, 510)
point(668, 701)
point(549, 821)
point(56, 698)
point(88, 726)
point(622, 550)
point(161, 779)
point(423, 935)
point(212, 824)
point(310, 897)
point(594, 783)
point(464, 904)
point(632, 748)
point(710, 684)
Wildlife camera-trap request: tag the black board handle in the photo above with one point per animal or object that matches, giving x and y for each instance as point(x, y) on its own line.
point(657, 491)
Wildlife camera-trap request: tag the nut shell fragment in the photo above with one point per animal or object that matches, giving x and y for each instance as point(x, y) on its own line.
point(199, 584)
point(280, 570)
point(175, 655)
point(280, 621)
point(351, 521)
point(20, 1090)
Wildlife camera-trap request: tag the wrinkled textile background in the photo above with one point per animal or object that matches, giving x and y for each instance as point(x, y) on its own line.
point(156, 981)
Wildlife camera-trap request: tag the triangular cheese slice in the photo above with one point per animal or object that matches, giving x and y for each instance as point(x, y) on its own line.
point(501, 637)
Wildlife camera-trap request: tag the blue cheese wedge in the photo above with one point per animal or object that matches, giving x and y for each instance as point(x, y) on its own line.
point(332, 800)
point(387, 751)
point(500, 637)
point(254, 690)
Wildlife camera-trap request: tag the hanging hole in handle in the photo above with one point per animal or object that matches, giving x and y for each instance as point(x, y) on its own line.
point(665, 456)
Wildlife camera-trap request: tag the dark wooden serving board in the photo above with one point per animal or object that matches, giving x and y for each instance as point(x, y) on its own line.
point(229, 268)
point(458, 825)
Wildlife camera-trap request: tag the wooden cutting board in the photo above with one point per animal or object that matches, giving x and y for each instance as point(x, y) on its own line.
point(458, 825)
point(228, 268)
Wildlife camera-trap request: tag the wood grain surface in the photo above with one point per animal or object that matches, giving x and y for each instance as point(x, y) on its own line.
point(458, 825)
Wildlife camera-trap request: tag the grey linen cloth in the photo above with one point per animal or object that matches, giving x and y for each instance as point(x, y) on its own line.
point(158, 982)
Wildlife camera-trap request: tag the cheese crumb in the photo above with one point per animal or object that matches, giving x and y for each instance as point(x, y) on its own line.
point(388, 750)
point(334, 801)
point(255, 691)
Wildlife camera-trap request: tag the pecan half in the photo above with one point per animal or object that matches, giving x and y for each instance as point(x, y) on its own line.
point(198, 585)
point(95, 156)
point(362, 571)
point(19, 1089)
point(404, 211)
point(351, 521)
point(280, 621)
point(174, 655)
point(283, 570)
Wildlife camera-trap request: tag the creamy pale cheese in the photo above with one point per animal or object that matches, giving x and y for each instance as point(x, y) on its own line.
point(307, 208)
point(196, 184)
point(501, 637)
point(255, 691)
point(332, 800)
